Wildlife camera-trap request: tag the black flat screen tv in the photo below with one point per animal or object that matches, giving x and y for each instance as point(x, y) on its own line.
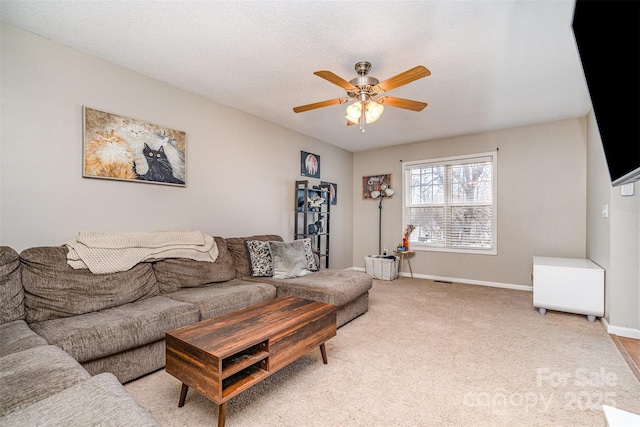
point(608, 40)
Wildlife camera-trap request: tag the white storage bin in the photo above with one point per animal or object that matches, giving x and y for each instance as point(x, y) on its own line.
point(382, 267)
point(573, 285)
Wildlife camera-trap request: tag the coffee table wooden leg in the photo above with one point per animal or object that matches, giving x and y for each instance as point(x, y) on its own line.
point(222, 414)
point(183, 395)
point(323, 350)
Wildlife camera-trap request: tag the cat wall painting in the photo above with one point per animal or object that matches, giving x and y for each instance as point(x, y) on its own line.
point(117, 147)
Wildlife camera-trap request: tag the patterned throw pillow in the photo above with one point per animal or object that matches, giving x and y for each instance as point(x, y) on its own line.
point(312, 265)
point(260, 258)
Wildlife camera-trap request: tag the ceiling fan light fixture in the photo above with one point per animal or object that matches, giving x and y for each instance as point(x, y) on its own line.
point(354, 111)
point(366, 108)
point(373, 111)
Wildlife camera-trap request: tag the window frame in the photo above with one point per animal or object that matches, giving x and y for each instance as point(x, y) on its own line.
point(491, 156)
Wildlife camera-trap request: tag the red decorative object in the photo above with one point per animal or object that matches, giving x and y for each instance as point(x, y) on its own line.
point(407, 233)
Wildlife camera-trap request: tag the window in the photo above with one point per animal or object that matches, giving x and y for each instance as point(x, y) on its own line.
point(452, 203)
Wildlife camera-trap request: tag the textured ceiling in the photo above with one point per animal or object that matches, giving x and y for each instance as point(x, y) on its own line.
point(494, 64)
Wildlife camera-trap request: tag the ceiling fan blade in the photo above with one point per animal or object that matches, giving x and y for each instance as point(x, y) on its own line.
point(336, 80)
point(320, 104)
point(407, 104)
point(404, 78)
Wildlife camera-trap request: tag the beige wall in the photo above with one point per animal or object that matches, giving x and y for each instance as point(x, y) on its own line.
point(614, 242)
point(541, 201)
point(241, 172)
point(599, 195)
point(240, 169)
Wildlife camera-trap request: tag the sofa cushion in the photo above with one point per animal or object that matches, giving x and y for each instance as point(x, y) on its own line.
point(260, 261)
point(337, 287)
point(97, 401)
point(289, 259)
point(33, 374)
point(17, 336)
point(130, 364)
point(238, 248)
point(101, 333)
point(11, 293)
point(173, 273)
point(220, 298)
point(53, 289)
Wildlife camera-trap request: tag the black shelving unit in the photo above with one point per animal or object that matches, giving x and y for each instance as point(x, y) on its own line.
point(313, 219)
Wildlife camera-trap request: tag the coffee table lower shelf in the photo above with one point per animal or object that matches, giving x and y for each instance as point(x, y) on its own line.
point(223, 356)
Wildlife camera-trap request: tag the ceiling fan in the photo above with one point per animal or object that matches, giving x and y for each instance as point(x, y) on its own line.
point(366, 91)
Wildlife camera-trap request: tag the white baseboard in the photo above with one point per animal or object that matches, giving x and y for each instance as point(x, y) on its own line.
point(528, 288)
point(620, 330)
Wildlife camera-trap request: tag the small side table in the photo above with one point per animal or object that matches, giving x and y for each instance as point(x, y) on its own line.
point(403, 255)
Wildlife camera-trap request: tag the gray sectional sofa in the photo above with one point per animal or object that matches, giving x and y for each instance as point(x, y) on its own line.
point(70, 338)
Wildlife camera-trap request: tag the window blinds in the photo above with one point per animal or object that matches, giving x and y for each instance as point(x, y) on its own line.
point(451, 202)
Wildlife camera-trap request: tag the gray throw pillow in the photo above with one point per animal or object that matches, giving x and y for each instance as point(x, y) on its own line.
point(260, 258)
point(289, 259)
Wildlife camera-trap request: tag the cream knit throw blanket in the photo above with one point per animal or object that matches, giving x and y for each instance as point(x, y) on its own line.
point(105, 252)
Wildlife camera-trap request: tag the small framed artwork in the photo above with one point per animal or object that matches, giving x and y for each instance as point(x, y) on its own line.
point(121, 148)
point(333, 192)
point(309, 165)
point(373, 183)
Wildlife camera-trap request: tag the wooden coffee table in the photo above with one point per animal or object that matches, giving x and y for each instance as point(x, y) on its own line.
point(225, 355)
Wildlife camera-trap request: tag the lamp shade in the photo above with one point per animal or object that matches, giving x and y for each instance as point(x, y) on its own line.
point(354, 111)
point(375, 194)
point(373, 111)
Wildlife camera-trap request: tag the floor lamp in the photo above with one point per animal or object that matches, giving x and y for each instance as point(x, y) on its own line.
point(385, 191)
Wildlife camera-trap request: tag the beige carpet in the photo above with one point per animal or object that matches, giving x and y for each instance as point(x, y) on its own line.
point(431, 354)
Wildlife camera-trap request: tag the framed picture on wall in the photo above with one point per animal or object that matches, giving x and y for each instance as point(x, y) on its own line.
point(333, 191)
point(373, 183)
point(121, 148)
point(309, 165)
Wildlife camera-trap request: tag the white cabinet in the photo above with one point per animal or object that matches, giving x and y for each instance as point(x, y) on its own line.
point(573, 285)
